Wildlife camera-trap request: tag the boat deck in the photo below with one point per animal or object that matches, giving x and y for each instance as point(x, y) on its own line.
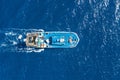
point(52, 39)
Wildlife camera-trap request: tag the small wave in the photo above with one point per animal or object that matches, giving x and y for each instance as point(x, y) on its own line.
point(14, 42)
point(20, 37)
point(117, 10)
point(10, 33)
point(29, 50)
point(3, 45)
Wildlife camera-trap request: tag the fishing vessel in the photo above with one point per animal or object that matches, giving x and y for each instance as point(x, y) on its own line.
point(52, 39)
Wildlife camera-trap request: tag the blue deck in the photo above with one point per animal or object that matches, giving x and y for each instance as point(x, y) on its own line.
point(55, 36)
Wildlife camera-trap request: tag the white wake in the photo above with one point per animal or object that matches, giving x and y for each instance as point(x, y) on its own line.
point(13, 40)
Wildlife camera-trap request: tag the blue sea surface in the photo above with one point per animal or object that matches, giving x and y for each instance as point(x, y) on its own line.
point(96, 57)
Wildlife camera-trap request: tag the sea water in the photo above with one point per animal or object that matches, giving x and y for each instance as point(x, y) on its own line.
point(97, 56)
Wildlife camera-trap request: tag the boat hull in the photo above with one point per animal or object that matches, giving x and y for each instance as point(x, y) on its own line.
point(52, 39)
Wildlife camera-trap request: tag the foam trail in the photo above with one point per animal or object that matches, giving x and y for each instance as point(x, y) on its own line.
point(13, 40)
point(117, 11)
